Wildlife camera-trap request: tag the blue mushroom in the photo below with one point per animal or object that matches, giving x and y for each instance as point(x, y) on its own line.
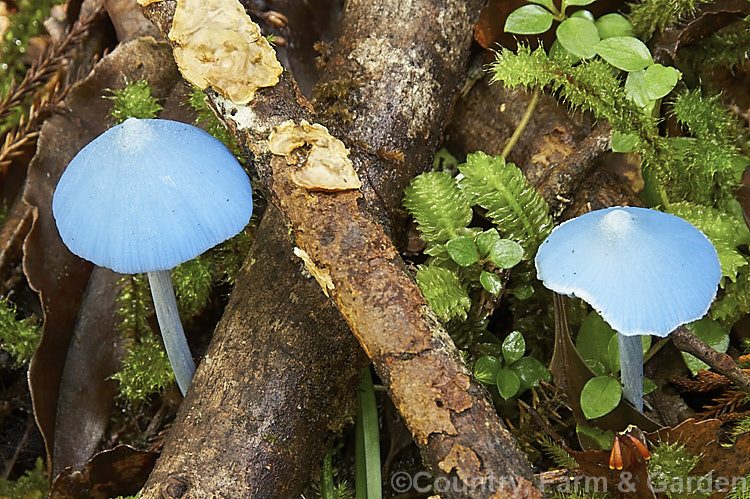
point(644, 271)
point(145, 196)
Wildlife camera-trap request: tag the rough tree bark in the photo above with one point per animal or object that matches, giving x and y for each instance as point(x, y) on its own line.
point(254, 443)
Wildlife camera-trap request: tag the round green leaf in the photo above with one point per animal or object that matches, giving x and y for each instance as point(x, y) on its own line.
point(547, 3)
point(530, 371)
point(506, 253)
point(486, 240)
point(568, 3)
point(578, 36)
point(592, 438)
point(583, 14)
point(486, 369)
point(624, 52)
point(492, 283)
point(462, 250)
point(635, 87)
point(523, 291)
point(514, 346)
point(597, 367)
point(660, 80)
point(558, 53)
point(529, 20)
point(600, 396)
point(713, 334)
point(610, 25)
point(624, 142)
point(508, 383)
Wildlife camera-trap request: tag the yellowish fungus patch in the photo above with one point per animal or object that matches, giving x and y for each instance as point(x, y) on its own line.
point(144, 3)
point(327, 167)
point(321, 275)
point(218, 45)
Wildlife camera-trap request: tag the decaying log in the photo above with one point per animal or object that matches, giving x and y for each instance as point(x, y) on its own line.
point(449, 415)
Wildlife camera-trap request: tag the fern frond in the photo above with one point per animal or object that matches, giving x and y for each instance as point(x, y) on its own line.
point(444, 291)
point(557, 453)
point(438, 205)
point(514, 206)
point(592, 85)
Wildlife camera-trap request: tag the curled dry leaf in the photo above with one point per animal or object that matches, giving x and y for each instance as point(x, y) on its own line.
point(327, 167)
point(218, 45)
point(115, 472)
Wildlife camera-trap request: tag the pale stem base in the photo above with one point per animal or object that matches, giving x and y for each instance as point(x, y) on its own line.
point(631, 368)
point(171, 328)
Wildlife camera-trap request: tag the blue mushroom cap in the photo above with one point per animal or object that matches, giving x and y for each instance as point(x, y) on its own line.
point(147, 195)
point(644, 271)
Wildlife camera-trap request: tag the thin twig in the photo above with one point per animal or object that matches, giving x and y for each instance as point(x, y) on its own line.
point(720, 362)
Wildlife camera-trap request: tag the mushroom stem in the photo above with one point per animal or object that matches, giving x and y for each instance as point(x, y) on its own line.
point(631, 368)
point(171, 328)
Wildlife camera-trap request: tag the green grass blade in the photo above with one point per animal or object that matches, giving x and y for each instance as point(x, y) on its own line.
point(367, 448)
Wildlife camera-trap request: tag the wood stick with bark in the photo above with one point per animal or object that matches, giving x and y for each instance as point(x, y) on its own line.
point(455, 424)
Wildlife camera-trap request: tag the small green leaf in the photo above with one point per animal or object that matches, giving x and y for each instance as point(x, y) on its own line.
point(613, 351)
point(713, 334)
point(529, 20)
point(594, 438)
point(530, 371)
point(568, 3)
point(635, 86)
point(549, 4)
point(624, 52)
point(596, 366)
point(624, 142)
point(582, 14)
point(558, 53)
point(578, 36)
point(486, 369)
point(508, 383)
point(506, 253)
point(648, 386)
point(462, 250)
point(610, 25)
point(523, 292)
point(486, 240)
point(593, 338)
point(514, 346)
point(600, 396)
point(492, 283)
point(660, 80)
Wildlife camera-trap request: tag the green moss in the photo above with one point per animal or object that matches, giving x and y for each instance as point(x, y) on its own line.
point(208, 120)
point(145, 370)
point(32, 485)
point(18, 337)
point(651, 16)
point(133, 101)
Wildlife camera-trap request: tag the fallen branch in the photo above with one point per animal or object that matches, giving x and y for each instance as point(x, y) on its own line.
point(449, 415)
